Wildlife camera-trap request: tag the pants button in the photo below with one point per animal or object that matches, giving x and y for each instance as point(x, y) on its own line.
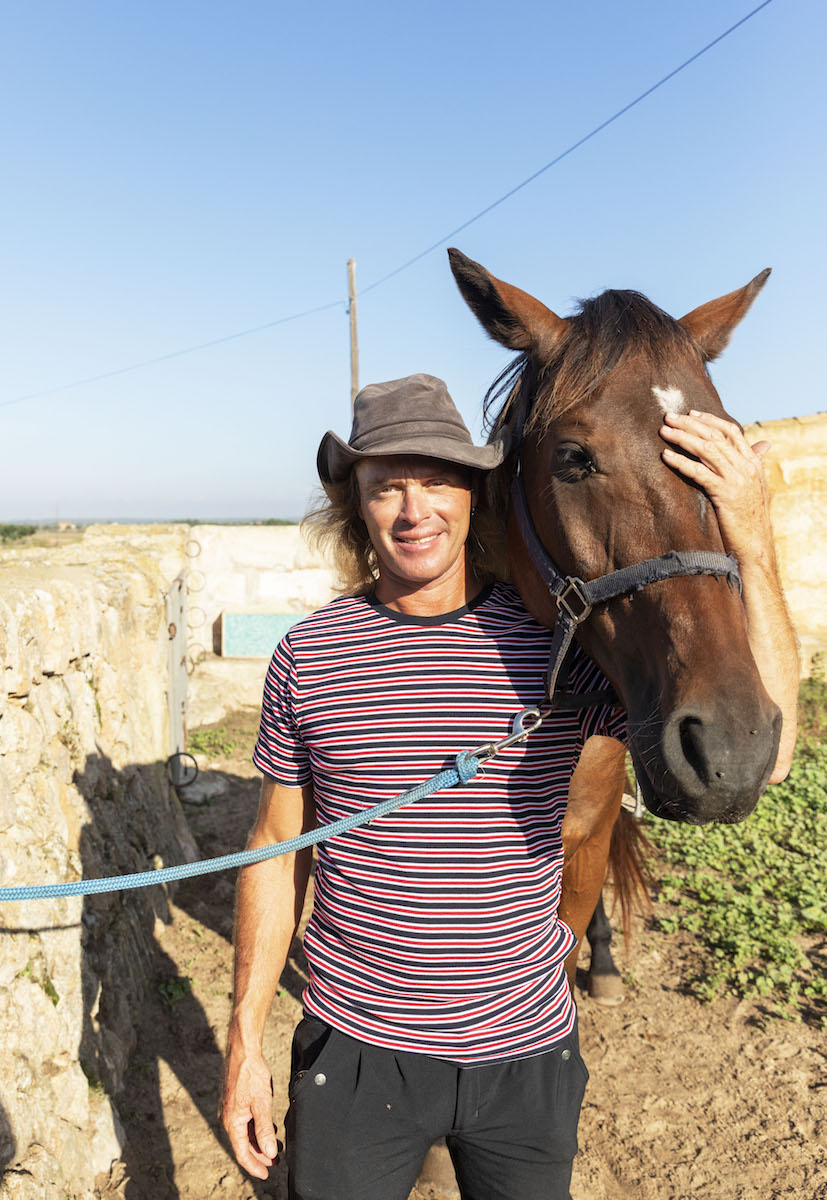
point(320, 1079)
point(566, 1055)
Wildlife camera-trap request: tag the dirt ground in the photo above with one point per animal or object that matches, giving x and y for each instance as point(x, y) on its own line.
point(685, 1101)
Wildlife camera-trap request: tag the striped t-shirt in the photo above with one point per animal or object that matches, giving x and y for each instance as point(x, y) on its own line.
point(434, 929)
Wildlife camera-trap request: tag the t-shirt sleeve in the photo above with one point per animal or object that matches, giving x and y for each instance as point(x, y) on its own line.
point(280, 752)
point(601, 720)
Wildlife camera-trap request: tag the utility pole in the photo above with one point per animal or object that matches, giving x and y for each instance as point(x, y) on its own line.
point(354, 344)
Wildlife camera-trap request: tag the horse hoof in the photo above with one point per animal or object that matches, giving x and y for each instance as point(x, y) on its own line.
point(605, 989)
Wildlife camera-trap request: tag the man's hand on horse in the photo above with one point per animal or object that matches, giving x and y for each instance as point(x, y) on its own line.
point(247, 1113)
point(730, 471)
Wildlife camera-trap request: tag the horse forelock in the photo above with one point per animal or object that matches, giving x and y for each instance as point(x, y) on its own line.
point(604, 331)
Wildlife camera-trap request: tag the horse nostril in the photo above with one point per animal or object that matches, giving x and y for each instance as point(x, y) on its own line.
point(714, 761)
point(691, 734)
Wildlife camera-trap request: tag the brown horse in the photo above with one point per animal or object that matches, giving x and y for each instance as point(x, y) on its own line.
point(589, 393)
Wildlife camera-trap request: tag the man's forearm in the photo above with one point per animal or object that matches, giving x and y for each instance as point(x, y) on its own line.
point(773, 644)
point(269, 902)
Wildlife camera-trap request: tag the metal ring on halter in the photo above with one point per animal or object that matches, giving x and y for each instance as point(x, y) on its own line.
point(575, 589)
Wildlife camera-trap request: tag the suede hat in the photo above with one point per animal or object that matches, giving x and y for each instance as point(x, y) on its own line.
point(414, 415)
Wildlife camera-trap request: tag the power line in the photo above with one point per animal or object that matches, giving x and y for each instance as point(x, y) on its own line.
point(230, 337)
point(565, 153)
point(148, 362)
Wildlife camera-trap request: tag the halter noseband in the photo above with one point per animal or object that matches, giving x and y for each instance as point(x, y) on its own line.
point(576, 598)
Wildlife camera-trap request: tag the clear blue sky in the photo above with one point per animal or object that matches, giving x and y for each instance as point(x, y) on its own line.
point(178, 172)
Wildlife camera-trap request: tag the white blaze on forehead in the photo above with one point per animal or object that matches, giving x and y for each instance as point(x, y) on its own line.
point(670, 399)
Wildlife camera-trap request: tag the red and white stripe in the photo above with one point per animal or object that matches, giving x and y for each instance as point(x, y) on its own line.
point(435, 928)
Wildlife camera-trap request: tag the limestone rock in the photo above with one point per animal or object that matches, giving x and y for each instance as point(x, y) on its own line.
point(206, 787)
point(84, 736)
point(37, 1177)
point(108, 1138)
point(8, 802)
point(796, 467)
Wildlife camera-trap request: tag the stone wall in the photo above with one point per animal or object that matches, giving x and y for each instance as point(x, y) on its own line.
point(251, 567)
point(84, 737)
point(797, 474)
point(246, 567)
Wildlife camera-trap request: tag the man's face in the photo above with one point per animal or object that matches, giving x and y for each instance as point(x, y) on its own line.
point(417, 511)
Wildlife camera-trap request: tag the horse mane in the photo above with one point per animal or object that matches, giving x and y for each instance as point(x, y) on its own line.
point(598, 336)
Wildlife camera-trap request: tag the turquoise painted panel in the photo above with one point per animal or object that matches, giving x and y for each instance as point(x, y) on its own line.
point(254, 635)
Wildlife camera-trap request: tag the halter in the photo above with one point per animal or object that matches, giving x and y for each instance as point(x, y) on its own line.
point(576, 598)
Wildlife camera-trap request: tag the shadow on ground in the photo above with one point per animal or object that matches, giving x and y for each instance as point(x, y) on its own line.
point(176, 1065)
point(146, 1034)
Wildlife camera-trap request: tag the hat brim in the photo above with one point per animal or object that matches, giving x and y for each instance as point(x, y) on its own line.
point(336, 457)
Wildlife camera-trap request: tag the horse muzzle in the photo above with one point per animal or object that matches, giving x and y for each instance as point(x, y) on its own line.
point(706, 765)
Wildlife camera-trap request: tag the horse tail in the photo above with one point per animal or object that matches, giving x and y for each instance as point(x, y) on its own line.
point(630, 854)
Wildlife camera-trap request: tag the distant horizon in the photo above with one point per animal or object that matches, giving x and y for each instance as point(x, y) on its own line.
point(213, 519)
point(52, 522)
point(175, 315)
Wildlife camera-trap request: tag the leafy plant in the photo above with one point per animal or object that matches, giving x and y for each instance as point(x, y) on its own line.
point(173, 990)
point(753, 894)
point(37, 973)
point(216, 742)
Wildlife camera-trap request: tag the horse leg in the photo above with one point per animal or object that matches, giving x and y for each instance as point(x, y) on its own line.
point(604, 982)
point(594, 803)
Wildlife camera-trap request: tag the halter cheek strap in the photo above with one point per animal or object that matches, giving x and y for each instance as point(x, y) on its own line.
point(576, 598)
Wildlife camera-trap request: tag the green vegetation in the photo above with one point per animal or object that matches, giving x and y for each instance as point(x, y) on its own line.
point(753, 894)
point(37, 973)
point(216, 742)
point(173, 990)
point(14, 533)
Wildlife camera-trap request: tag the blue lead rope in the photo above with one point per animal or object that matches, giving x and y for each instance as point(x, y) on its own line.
point(464, 770)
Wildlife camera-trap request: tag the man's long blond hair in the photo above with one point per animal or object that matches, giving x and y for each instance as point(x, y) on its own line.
point(334, 527)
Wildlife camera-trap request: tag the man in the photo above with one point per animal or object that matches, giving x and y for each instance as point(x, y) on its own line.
point(437, 1004)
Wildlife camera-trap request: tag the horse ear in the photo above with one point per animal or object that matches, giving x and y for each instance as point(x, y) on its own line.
point(508, 315)
point(711, 324)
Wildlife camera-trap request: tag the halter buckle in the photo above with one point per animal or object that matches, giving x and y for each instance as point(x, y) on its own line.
point(574, 592)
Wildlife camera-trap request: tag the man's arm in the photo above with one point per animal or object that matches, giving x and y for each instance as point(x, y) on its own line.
point(731, 472)
point(269, 901)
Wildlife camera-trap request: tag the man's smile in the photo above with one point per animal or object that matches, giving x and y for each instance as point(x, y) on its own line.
point(420, 542)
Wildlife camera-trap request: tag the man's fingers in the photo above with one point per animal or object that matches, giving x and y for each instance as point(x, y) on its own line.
point(247, 1154)
point(761, 448)
point(728, 429)
point(722, 423)
point(689, 467)
point(265, 1134)
point(248, 1113)
point(713, 452)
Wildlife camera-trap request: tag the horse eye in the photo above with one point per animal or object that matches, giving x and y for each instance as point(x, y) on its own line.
point(573, 462)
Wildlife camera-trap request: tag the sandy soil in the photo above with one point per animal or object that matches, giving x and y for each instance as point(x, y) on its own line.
point(685, 1101)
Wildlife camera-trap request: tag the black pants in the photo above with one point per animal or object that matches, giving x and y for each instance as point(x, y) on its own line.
point(362, 1119)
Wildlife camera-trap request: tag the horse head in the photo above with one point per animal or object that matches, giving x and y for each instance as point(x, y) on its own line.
point(591, 391)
